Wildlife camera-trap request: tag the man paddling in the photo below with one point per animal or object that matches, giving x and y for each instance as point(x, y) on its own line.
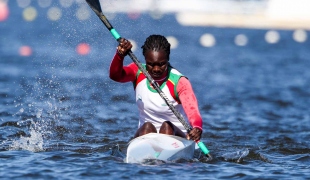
point(154, 115)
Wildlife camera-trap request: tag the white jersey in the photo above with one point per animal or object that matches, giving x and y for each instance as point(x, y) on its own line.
point(152, 108)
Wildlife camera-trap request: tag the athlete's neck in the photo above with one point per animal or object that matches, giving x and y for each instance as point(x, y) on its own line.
point(161, 79)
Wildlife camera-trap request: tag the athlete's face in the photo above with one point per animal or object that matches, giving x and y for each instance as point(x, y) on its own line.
point(156, 63)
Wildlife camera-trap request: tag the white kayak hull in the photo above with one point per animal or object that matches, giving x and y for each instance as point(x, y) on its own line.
point(160, 147)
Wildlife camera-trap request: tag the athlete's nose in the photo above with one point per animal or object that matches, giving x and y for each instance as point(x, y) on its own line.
point(156, 69)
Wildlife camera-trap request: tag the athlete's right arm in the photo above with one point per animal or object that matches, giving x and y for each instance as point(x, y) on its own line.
point(120, 73)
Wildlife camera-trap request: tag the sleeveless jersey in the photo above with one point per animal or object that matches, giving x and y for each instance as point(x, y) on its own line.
point(152, 108)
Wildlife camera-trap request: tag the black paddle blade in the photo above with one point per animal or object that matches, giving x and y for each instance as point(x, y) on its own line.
point(95, 5)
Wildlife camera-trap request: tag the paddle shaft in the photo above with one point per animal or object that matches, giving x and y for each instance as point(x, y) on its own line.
point(95, 6)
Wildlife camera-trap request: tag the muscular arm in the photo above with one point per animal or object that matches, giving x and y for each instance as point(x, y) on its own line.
point(189, 102)
point(121, 73)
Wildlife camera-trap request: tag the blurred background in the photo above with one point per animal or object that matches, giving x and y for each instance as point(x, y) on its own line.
point(247, 60)
point(271, 15)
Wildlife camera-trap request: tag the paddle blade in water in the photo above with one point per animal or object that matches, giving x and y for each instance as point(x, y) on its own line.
point(236, 156)
point(95, 5)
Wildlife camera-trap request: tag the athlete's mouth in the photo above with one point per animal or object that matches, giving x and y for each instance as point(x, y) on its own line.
point(156, 75)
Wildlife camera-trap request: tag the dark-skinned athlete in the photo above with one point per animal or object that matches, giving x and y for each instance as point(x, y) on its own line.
point(154, 115)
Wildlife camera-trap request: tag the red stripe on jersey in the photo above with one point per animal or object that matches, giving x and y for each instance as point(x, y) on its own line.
point(140, 77)
point(170, 86)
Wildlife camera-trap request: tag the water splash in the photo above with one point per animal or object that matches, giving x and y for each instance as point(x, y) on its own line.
point(32, 143)
point(39, 127)
point(237, 156)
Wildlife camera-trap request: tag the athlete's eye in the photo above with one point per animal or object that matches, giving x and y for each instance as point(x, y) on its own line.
point(157, 64)
point(150, 64)
point(162, 63)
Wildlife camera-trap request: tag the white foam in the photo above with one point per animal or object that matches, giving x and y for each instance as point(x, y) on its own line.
point(33, 143)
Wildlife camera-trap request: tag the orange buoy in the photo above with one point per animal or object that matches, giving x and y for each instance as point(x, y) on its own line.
point(83, 49)
point(25, 51)
point(4, 11)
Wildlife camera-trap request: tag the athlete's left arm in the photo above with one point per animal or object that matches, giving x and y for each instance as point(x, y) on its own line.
point(189, 102)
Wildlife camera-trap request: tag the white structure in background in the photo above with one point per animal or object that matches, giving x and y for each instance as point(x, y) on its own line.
point(264, 14)
point(260, 14)
point(255, 14)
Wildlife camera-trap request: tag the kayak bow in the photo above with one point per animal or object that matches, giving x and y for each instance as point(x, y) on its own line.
point(154, 146)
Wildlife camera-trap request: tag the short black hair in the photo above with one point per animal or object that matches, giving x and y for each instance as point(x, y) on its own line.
point(155, 43)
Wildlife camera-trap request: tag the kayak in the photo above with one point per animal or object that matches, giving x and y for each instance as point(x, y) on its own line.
point(159, 147)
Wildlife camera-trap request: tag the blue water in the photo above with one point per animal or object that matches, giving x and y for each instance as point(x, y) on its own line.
point(61, 117)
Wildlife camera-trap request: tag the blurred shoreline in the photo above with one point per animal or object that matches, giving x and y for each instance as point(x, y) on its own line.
point(250, 14)
point(257, 14)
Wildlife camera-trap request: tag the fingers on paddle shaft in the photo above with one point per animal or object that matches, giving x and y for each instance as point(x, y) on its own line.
point(124, 46)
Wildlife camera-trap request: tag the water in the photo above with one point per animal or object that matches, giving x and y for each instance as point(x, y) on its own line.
point(61, 117)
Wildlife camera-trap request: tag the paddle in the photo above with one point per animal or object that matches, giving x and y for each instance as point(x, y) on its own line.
point(96, 7)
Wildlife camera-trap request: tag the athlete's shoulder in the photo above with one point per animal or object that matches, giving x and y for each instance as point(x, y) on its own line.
point(134, 67)
point(175, 71)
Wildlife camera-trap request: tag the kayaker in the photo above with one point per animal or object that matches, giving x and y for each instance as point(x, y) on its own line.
point(154, 115)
